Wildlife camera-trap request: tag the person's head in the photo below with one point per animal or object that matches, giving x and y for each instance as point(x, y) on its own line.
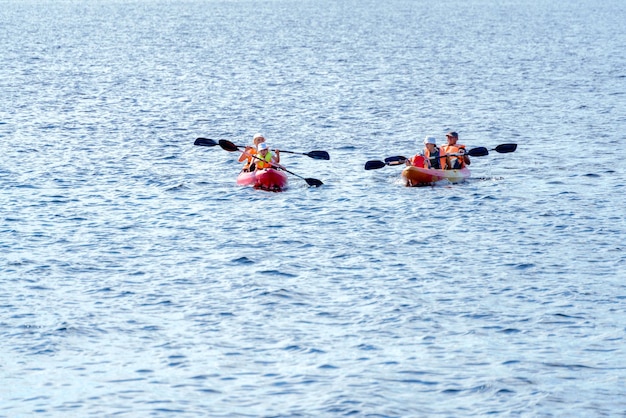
point(263, 148)
point(430, 142)
point(452, 137)
point(257, 139)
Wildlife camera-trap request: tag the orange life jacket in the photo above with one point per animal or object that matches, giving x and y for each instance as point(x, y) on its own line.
point(247, 156)
point(436, 163)
point(456, 162)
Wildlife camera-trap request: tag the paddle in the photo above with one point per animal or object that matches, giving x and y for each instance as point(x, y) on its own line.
point(316, 155)
point(474, 152)
point(482, 151)
point(505, 148)
point(396, 160)
point(230, 147)
point(205, 142)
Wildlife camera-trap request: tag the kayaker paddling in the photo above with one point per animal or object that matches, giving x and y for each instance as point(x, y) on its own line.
point(431, 157)
point(457, 156)
point(266, 158)
point(251, 151)
point(271, 178)
point(433, 165)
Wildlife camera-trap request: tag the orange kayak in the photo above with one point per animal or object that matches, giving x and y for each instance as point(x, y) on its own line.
point(417, 176)
point(266, 179)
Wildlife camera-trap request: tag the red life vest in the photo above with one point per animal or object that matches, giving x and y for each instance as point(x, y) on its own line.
point(419, 161)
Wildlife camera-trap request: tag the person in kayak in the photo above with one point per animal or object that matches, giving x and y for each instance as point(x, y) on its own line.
point(250, 151)
point(430, 157)
point(266, 158)
point(456, 153)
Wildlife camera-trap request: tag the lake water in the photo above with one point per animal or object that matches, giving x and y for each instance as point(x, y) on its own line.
point(137, 279)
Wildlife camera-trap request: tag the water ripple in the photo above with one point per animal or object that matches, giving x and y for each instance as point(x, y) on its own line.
point(139, 279)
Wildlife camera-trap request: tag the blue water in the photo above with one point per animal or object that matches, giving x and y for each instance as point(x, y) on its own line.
point(137, 279)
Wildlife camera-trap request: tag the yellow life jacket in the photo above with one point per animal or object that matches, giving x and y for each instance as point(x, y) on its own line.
point(264, 162)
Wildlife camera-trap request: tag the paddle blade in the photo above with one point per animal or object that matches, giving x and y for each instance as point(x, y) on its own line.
point(313, 182)
point(228, 146)
point(205, 142)
point(395, 160)
point(504, 148)
point(374, 164)
point(478, 152)
point(318, 155)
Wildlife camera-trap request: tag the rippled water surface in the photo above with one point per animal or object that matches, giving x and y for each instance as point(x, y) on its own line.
point(137, 279)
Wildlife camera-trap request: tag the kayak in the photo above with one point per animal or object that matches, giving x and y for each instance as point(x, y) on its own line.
point(266, 179)
point(417, 176)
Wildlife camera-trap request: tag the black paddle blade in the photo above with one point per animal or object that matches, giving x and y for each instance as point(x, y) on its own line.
point(228, 146)
point(504, 148)
point(478, 152)
point(318, 155)
point(313, 182)
point(374, 164)
point(205, 142)
point(395, 160)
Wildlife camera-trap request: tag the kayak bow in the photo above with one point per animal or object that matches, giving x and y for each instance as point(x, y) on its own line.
point(267, 179)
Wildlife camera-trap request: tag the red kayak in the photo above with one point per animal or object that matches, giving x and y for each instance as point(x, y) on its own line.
point(417, 176)
point(267, 179)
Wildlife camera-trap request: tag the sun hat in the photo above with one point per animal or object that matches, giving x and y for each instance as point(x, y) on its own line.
point(430, 140)
point(263, 146)
point(257, 136)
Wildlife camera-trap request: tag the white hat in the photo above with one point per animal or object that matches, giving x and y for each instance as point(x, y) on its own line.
point(257, 136)
point(263, 146)
point(430, 140)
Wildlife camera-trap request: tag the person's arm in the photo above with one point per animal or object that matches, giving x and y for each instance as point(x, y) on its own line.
point(466, 157)
point(428, 164)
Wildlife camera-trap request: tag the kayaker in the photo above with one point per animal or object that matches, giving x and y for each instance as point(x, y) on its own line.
point(435, 157)
point(452, 148)
point(430, 157)
point(265, 158)
point(247, 156)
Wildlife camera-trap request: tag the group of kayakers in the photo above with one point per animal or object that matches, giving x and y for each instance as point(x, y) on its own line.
point(451, 156)
point(259, 156)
